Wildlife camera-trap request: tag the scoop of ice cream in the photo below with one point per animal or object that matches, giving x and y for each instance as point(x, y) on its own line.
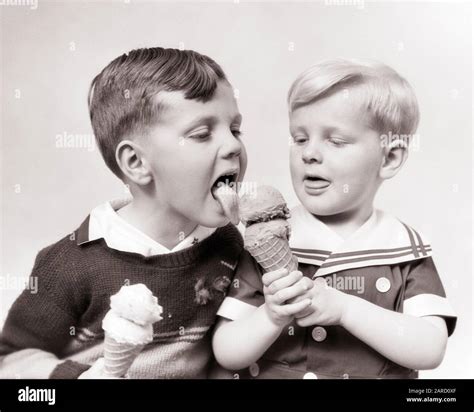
point(260, 232)
point(229, 201)
point(126, 331)
point(136, 303)
point(266, 204)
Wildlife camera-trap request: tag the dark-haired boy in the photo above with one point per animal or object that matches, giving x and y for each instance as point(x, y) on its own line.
point(167, 124)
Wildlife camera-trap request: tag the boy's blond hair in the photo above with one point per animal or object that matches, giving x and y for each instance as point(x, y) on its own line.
point(387, 97)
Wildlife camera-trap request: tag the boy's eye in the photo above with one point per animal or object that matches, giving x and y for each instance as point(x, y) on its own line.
point(200, 136)
point(237, 133)
point(300, 139)
point(337, 142)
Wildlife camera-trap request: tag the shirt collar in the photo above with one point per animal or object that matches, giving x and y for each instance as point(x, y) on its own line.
point(104, 223)
point(381, 240)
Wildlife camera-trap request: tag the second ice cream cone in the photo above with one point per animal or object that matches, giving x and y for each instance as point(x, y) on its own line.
point(119, 356)
point(128, 327)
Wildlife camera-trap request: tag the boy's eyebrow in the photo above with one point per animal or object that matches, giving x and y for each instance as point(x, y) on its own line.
point(297, 129)
point(336, 129)
point(210, 120)
point(326, 129)
point(345, 132)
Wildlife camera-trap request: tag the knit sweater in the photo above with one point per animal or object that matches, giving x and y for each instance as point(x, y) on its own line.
point(76, 279)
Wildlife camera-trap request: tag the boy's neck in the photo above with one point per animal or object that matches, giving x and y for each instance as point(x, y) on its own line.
point(346, 223)
point(163, 226)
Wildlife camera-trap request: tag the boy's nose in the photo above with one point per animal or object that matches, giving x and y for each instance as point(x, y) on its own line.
point(232, 147)
point(311, 154)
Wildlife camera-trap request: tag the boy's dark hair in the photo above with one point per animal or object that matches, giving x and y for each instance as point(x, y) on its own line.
point(121, 97)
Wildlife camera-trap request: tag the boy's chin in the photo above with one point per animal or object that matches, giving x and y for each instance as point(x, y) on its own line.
point(222, 221)
point(213, 221)
point(318, 208)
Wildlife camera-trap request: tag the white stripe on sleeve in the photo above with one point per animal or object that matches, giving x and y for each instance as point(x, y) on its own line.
point(427, 304)
point(234, 309)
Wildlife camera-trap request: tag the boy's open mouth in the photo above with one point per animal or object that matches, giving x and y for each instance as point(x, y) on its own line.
point(228, 179)
point(224, 191)
point(316, 182)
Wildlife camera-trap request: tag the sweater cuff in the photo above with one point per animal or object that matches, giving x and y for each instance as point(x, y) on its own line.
point(68, 370)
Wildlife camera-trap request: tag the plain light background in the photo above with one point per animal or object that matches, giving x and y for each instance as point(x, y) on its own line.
point(50, 55)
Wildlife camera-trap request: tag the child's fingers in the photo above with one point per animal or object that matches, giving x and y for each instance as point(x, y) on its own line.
point(285, 281)
point(294, 308)
point(270, 277)
point(305, 312)
point(308, 321)
point(291, 292)
point(320, 283)
point(308, 284)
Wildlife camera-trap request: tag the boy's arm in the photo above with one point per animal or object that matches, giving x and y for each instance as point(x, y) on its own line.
point(31, 344)
point(414, 342)
point(239, 343)
point(37, 329)
point(410, 341)
point(38, 364)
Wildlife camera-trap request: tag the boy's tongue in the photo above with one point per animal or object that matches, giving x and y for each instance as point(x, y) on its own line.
point(229, 201)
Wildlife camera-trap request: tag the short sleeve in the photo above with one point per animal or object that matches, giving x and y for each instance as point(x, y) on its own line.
point(246, 290)
point(425, 295)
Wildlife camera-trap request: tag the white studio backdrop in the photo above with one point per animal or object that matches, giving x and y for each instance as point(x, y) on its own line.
point(50, 54)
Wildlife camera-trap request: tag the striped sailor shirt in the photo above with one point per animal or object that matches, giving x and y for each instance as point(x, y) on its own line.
point(385, 262)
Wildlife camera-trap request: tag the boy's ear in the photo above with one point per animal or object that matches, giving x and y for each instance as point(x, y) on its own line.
point(395, 155)
point(133, 165)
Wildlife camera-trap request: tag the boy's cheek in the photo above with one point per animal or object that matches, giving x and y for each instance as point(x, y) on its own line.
point(295, 158)
point(296, 170)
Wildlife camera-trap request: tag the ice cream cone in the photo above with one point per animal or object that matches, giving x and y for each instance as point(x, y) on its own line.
point(119, 356)
point(128, 327)
point(268, 243)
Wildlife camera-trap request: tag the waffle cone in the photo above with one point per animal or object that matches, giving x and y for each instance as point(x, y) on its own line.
point(272, 253)
point(119, 356)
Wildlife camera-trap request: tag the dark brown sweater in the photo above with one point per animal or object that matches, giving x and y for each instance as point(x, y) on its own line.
point(76, 279)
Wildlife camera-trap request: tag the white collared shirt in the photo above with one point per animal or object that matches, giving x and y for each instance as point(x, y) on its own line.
point(105, 223)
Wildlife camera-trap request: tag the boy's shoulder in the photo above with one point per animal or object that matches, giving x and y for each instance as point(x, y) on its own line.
point(65, 252)
point(393, 227)
point(386, 222)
